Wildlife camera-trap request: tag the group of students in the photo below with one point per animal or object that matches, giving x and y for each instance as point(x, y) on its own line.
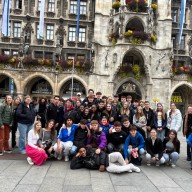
point(96, 133)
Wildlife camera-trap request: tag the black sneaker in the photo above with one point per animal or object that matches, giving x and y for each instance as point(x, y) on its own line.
point(8, 151)
point(188, 158)
point(1, 153)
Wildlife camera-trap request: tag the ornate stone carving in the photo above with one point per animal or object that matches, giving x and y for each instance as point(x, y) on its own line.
point(128, 87)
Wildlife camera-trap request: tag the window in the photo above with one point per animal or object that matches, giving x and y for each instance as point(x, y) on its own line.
point(83, 7)
point(38, 36)
point(81, 57)
point(73, 7)
point(18, 4)
point(70, 57)
point(38, 54)
point(72, 33)
point(17, 29)
point(174, 15)
point(6, 52)
point(182, 44)
point(39, 5)
point(48, 55)
point(14, 53)
point(50, 30)
point(82, 34)
point(51, 5)
point(174, 42)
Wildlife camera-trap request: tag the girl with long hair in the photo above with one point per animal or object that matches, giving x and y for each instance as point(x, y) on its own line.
point(36, 155)
point(171, 148)
point(160, 121)
point(48, 138)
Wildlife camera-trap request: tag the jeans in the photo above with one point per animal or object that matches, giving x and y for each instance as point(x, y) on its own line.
point(149, 159)
point(73, 150)
point(161, 134)
point(140, 152)
point(173, 157)
point(111, 148)
point(23, 133)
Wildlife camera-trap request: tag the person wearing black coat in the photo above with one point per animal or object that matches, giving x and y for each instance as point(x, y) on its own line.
point(25, 115)
point(154, 149)
point(116, 138)
point(91, 159)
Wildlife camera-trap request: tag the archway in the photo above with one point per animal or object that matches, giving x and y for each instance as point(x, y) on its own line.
point(38, 87)
point(7, 86)
point(135, 24)
point(182, 97)
point(66, 89)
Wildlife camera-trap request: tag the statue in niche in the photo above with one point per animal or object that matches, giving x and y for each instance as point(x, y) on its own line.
point(150, 20)
point(128, 87)
point(116, 29)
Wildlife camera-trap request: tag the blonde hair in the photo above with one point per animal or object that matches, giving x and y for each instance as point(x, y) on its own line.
point(34, 128)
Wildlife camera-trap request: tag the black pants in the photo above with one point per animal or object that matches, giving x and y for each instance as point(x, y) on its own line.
point(13, 135)
point(189, 152)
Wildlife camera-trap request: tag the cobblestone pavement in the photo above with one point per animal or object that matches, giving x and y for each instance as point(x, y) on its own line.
point(18, 176)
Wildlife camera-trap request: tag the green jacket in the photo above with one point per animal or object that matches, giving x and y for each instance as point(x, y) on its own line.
point(6, 115)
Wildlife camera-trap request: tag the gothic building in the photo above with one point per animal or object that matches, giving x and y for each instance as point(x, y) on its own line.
point(125, 47)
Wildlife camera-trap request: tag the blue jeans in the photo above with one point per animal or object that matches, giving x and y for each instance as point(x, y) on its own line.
point(73, 150)
point(161, 134)
point(23, 133)
point(173, 157)
point(111, 148)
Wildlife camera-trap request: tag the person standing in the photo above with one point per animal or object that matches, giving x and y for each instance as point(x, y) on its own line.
point(187, 129)
point(16, 103)
point(26, 116)
point(6, 120)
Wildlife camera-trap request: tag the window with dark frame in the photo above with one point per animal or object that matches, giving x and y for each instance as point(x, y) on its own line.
point(48, 55)
point(14, 52)
point(50, 32)
point(38, 54)
point(39, 5)
point(82, 34)
point(51, 5)
point(18, 4)
point(17, 29)
point(174, 42)
point(5, 51)
point(83, 7)
point(174, 15)
point(182, 43)
point(72, 33)
point(81, 57)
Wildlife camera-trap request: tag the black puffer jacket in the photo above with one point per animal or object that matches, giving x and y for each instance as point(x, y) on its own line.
point(91, 161)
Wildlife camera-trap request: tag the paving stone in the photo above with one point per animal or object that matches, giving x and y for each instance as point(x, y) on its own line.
point(8, 183)
point(77, 177)
point(150, 188)
point(79, 188)
point(171, 189)
point(58, 169)
point(158, 177)
point(26, 188)
point(36, 174)
point(4, 164)
point(52, 184)
point(17, 168)
point(185, 184)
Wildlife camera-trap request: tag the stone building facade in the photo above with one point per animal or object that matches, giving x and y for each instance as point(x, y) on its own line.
point(125, 50)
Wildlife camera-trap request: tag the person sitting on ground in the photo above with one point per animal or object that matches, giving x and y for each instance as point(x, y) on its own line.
point(104, 124)
point(36, 155)
point(98, 138)
point(81, 135)
point(154, 149)
point(48, 138)
point(116, 138)
point(88, 158)
point(171, 148)
point(134, 145)
point(65, 139)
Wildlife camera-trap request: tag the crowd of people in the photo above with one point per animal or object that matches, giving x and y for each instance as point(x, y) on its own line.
point(98, 132)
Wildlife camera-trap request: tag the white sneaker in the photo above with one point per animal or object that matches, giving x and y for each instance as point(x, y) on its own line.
point(135, 169)
point(29, 160)
point(130, 171)
point(148, 164)
point(173, 165)
point(66, 158)
point(60, 156)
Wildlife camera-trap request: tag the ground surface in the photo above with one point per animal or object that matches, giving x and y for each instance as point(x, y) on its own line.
point(18, 176)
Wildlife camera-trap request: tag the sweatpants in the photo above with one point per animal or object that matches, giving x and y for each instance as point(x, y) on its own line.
point(117, 164)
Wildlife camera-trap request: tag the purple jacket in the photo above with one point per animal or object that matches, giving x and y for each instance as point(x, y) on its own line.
point(100, 140)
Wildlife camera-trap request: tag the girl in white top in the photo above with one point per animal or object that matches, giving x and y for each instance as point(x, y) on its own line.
point(174, 118)
point(36, 155)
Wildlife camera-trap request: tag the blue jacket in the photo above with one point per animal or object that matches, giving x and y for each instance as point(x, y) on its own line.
point(105, 128)
point(136, 142)
point(189, 140)
point(63, 134)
